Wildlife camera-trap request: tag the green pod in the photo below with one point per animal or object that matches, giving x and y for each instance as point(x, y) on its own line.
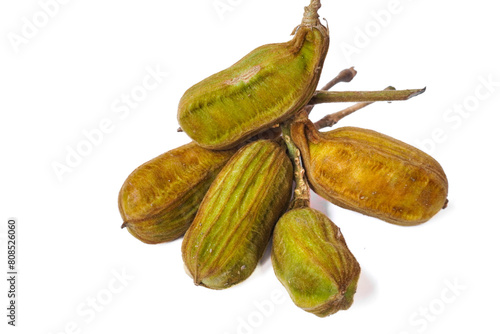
point(159, 199)
point(264, 88)
point(311, 259)
point(234, 223)
point(371, 173)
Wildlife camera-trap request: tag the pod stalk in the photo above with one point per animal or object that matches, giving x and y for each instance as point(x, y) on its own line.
point(301, 193)
point(311, 17)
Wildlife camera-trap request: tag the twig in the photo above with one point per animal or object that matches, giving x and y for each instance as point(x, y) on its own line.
point(344, 76)
point(332, 119)
point(365, 96)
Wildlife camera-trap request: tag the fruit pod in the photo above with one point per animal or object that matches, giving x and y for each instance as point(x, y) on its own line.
point(371, 173)
point(159, 199)
point(311, 259)
point(234, 223)
point(267, 86)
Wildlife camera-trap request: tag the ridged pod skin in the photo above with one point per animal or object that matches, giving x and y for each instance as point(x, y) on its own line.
point(267, 86)
point(311, 259)
point(371, 173)
point(159, 199)
point(234, 223)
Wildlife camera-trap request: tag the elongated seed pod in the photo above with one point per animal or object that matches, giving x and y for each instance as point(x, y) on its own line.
point(311, 259)
point(264, 88)
point(234, 222)
point(159, 199)
point(371, 173)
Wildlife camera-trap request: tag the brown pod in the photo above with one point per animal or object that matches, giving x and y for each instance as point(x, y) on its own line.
point(371, 173)
point(159, 199)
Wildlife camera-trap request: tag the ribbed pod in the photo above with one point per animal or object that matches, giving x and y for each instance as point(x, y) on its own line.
point(311, 259)
point(262, 89)
point(159, 199)
point(368, 172)
point(234, 223)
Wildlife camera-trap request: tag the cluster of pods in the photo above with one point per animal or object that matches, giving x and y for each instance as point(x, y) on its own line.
point(244, 180)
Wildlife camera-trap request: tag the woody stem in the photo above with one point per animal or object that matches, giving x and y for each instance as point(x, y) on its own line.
point(365, 96)
point(301, 194)
point(332, 119)
point(345, 75)
point(311, 16)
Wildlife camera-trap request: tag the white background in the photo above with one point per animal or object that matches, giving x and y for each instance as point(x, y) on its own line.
point(70, 74)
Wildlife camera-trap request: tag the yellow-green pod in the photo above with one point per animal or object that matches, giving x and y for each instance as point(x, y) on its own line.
point(267, 86)
point(233, 225)
point(311, 259)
